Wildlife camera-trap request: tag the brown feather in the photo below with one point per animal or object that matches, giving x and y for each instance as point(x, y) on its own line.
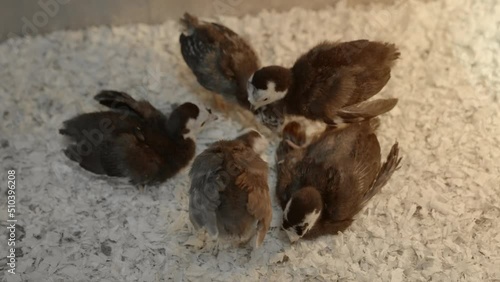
point(338, 75)
point(135, 140)
point(259, 202)
point(221, 60)
point(344, 166)
point(330, 77)
point(243, 208)
point(366, 110)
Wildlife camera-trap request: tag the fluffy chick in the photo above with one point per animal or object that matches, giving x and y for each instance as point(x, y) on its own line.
point(229, 194)
point(134, 140)
point(324, 80)
point(220, 59)
point(322, 187)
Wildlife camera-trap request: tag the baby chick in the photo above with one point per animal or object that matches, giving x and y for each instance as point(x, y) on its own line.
point(135, 140)
point(293, 137)
point(229, 194)
point(326, 79)
point(220, 59)
point(323, 186)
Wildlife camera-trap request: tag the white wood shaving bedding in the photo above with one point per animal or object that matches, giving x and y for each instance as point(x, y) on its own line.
point(437, 219)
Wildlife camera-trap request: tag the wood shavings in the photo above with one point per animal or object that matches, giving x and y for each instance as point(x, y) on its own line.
point(435, 220)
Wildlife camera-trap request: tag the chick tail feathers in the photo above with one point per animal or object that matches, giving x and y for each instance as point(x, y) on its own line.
point(368, 109)
point(67, 132)
point(89, 161)
point(262, 227)
point(363, 111)
point(204, 200)
point(123, 102)
point(202, 218)
point(189, 23)
point(393, 53)
point(112, 98)
point(385, 173)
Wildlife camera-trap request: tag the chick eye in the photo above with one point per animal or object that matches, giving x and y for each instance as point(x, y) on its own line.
point(203, 123)
point(266, 99)
point(209, 110)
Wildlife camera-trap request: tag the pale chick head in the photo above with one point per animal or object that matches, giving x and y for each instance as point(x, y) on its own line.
point(301, 213)
point(198, 122)
point(268, 85)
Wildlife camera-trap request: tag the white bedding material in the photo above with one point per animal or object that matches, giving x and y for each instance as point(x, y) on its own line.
point(436, 219)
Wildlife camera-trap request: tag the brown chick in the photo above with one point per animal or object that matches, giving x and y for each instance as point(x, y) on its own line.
point(293, 137)
point(220, 59)
point(135, 140)
point(323, 186)
point(229, 194)
point(324, 80)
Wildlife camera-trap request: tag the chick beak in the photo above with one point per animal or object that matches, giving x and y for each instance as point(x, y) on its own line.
point(292, 236)
point(293, 239)
point(211, 116)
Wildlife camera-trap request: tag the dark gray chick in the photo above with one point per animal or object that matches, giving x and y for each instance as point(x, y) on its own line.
point(134, 140)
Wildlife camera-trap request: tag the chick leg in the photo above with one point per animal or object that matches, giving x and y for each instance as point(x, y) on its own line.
point(214, 249)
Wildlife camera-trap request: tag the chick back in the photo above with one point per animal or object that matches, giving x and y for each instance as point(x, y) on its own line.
point(219, 58)
point(218, 201)
point(348, 162)
point(94, 141)
point(122, 144)
point(336, 75)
